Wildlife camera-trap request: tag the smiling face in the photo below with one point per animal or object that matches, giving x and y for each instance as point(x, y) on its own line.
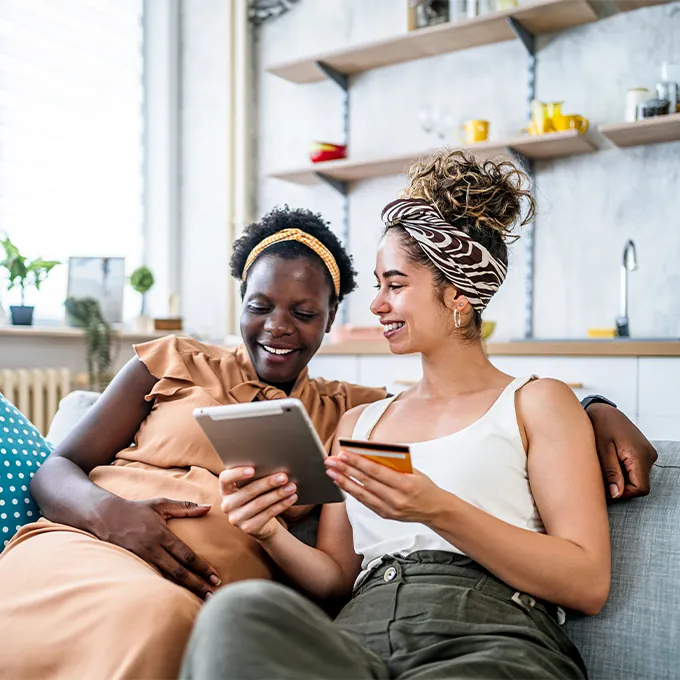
point(286, 312)
point(414, 318)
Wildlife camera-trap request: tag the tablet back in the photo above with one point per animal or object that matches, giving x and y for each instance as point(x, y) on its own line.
point(272, 436)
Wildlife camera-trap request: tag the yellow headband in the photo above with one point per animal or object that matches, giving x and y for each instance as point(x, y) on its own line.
point(301, 237)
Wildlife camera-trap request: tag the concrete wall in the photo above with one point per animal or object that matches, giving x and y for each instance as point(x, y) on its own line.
point(589, 205)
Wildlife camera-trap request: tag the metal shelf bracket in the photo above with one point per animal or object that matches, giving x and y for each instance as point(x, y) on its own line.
point(341, 79)
point(341, 187)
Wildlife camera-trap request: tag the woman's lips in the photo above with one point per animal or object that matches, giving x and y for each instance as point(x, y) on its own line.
point(391, 329)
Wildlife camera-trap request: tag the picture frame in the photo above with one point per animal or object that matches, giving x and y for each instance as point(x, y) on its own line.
point(100, 278)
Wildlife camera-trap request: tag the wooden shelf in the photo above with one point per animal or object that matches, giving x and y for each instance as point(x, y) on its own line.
point(554, 145)
point(537, 16)
point(649, 131)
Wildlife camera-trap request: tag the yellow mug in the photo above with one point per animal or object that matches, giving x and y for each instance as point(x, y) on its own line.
point(473, 131)
point(540, 119)
point(571, 122)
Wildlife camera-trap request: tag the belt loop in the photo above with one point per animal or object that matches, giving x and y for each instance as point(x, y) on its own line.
point(528, 605)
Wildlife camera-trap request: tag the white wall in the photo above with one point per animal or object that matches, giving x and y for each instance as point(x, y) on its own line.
point(589, 205)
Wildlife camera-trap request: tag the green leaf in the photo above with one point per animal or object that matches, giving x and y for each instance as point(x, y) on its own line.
point(21, 272)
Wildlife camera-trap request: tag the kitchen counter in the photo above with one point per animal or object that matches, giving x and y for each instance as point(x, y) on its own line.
point(593, 348)
point(65, 332)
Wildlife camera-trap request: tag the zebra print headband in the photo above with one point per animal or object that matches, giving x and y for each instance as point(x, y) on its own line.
point(474, 271)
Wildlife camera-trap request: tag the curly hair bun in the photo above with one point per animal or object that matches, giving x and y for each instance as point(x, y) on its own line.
point(485, 199)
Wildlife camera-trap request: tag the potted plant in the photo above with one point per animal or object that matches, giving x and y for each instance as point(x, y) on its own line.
point(141, 281)
point(86, 313)
point(23, 274)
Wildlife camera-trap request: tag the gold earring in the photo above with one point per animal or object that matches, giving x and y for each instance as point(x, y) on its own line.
point(456, 318)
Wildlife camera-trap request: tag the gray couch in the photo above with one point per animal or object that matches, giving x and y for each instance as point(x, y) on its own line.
point(637, 634)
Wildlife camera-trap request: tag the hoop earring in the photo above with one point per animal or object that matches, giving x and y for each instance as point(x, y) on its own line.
point(456, 318)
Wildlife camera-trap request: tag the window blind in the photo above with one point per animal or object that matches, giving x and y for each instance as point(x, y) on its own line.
point(71, 136)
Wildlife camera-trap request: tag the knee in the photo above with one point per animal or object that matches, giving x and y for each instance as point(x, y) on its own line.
point(235, 605)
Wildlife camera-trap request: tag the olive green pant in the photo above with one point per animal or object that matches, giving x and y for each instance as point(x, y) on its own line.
point(429, 615)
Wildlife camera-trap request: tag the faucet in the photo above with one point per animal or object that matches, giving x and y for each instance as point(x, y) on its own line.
point(629, 265)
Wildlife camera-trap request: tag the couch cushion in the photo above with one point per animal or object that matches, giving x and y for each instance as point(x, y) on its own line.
point(71, 409)
point(636, 635)
point(22, 450)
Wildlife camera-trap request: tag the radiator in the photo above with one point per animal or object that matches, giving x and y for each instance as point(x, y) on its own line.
point(36, 392)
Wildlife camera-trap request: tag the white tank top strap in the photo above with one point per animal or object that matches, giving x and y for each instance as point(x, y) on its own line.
point(369, 418)
point(503, 413)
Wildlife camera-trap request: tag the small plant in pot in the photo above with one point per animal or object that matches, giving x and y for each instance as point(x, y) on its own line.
point(141, 281)
point(23, 274)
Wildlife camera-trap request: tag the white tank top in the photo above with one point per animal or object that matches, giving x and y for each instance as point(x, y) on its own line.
point(484, 464)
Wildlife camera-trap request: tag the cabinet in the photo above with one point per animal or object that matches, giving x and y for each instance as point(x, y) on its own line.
point(646, 389)
point(659, 397)
point(345, 368)
point(613, 377)
point(393, 372)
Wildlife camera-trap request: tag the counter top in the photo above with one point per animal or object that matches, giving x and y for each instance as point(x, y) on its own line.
point(64, 332)
point(594, 348)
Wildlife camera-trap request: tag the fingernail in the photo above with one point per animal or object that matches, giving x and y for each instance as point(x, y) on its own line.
point(614, 490)
point(208, 596)
point(281, 478)
point(332, 473)
point(248, 471)
point(215, 580)
point(342, 456)
point(290, 488)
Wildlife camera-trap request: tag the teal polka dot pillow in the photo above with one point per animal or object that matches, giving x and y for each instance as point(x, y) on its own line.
point(22, 450)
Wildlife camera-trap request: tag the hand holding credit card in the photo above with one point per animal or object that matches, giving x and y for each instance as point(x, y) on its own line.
point(395, 456)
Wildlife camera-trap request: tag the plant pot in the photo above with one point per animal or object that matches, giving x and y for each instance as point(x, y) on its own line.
point(21, 315)
point(142, 324)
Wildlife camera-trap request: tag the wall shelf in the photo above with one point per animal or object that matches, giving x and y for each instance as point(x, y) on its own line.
point(553, 145)
point(536, 16)
point(649, 131)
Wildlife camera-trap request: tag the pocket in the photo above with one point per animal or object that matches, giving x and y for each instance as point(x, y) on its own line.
point(368, 612)
point(437, 598)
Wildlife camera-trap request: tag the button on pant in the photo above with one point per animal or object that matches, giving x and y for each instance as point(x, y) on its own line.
point(429, 615)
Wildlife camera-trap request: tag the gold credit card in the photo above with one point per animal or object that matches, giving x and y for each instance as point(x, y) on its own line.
point(395, 456)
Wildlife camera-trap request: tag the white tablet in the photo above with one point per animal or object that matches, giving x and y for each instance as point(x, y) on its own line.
point(272, 436)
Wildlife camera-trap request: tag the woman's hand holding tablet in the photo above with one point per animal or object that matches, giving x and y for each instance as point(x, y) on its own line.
point(271, 437)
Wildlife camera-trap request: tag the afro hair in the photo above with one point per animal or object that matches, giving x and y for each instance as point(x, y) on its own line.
point(284, 218)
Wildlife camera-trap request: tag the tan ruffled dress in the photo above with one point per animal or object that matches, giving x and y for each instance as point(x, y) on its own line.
point(72, 606)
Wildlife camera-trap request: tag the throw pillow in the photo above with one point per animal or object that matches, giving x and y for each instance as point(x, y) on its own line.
point(22, 451)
